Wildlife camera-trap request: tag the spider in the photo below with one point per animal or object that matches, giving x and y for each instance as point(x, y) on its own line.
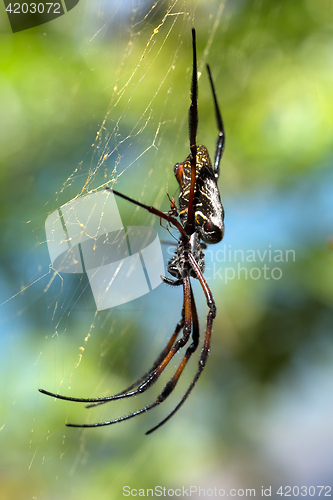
point(199, 222)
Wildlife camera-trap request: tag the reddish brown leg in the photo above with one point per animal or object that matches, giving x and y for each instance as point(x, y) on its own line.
point(158, 361)
point(202, 361)
point(189, 308)
point(152, 210)
point(144, 382)
point(206, 347)
point(193, 127)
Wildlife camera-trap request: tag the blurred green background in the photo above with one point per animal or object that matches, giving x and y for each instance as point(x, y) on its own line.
point(102, 94)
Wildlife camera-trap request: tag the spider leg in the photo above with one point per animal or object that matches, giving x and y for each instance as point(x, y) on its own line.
point(150, 209)
point(127, 392)
point(203, 283)
point(206, 347)
point(189, 309)
point(202, 362)
point(193, 127)
point(221, 137)
point(170, 281)
point(150, 378)
point(157, 362)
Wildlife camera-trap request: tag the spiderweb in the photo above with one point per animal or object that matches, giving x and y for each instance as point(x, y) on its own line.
point(148, 74)
point(120, 119)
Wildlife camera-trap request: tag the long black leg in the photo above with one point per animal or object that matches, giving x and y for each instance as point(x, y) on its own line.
point(206, 347)
point(193, 127)
point(157, 362)
point(193, 111)
point(221, 137)
point(201, 365)
point(189, 308)
point(152, 210)
point(144, 382)
point(190, 350)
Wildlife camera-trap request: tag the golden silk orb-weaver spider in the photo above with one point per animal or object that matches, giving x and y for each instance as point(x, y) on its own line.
point(199, 222)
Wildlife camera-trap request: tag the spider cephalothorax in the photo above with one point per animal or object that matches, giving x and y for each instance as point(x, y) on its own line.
point(201, 217)
point(178, 264)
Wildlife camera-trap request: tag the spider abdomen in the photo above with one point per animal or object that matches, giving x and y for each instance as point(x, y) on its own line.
point(208, 209)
